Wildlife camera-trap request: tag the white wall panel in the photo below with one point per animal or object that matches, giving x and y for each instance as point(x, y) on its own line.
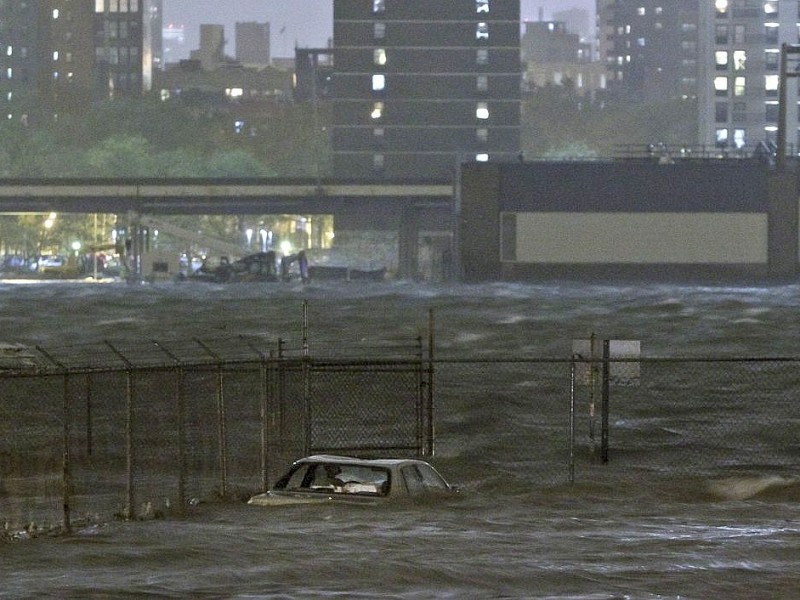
point(649, 238)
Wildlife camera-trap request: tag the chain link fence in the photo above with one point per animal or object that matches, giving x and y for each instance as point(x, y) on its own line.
point(534, 422)
point(152, 427)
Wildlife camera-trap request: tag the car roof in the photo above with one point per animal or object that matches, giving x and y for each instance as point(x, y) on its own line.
point(351, 460)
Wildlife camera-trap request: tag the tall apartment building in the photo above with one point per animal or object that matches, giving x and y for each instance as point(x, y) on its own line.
point(650, 48)
point(740, 71)
point(19, 60)
point(420, 85)
point(61, 55)
point(726, 53)
point(252, 43)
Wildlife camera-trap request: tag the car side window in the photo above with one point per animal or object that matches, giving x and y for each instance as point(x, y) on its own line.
point(413, 480)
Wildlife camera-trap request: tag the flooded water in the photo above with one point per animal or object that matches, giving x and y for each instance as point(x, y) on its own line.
point(602, 538)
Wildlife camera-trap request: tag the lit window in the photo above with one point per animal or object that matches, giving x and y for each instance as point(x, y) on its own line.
point(771, 7)
point(482, 31)
point(721, 86)
point(721, 6)
point(482, 6)
point(739, 138)
point(377, 111)
point(56, 13)
point(721, 60)
point(738, 86)
point(380, 31)
point(380, 56)
point(99, 6)
point(378, 6)
point(378, 82)
point(234, 92)
point(771, 83)
point(10, 51)
point(482, 111)
point(483, 157)
point(721, 137)
point(641, 11)
point(55, 55)
point(739, 60)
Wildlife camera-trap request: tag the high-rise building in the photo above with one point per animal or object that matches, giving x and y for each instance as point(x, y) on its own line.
point(61, 55)
point(650, 48)
point(252, 43)
point(740, 70)
point(726, 53)
point(421, 85)
point(19, 59)
point(211, 52)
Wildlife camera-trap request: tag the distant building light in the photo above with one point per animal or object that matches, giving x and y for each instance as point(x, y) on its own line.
point(483, 157)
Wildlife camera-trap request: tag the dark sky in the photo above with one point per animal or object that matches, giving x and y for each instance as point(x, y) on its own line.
point(308, 22)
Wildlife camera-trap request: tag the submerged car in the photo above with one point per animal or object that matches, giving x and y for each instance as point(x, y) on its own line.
point(329, 478)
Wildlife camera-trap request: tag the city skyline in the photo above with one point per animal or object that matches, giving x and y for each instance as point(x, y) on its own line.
point(304, 23)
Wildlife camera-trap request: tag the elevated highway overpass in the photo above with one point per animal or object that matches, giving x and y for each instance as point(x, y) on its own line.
point(405, 207)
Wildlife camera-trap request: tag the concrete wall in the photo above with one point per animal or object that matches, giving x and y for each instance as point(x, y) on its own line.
point(693, 220)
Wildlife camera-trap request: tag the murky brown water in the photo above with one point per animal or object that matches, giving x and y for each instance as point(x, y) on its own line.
point(603, 538)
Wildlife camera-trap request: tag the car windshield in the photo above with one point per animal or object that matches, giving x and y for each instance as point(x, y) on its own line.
point(337, 478)
point(422, 479)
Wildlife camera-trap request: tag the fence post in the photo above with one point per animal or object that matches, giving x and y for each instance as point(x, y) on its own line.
point(264, 414)
point(222, 434)
point(572, 420)
point(431, 344)
point(89, 432)
point(67, 475)
point(66, 455)
point(605, 403)
point(419, 409)
point(130, 510)
point(306, 383)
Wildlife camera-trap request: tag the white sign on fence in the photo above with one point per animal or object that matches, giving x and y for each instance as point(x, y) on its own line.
point(624, 367)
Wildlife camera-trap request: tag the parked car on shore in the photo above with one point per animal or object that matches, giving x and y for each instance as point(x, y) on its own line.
point(330, 478)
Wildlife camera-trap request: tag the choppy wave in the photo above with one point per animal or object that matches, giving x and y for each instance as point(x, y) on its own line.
point(610, 535)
